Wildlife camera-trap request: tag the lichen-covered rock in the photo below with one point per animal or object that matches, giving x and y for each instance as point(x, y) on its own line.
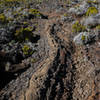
point(3, 18)
point(79, 10)
point(78, 27)
point(91, 11)
point(84, 38)
point(92, 20)
point(85, 8)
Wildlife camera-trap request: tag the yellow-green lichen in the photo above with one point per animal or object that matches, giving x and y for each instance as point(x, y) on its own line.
point(12, 2)
point(23, 34)
point(17, 14)
point(25, 23)
point(34, 12)
point(33, 60)
point(26, 50)
point(68, 2)
point(39, 1)
point(3, 18)
point(28, 29)
point(77, 27)
point(83, 37)
point(65, 15)
point(10, 19)
point(98, 27)
point(91, 11)
point(92, 1)
point(1, 2)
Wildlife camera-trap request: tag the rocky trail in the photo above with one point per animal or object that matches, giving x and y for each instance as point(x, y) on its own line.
point(60, 73)
point(65, 64)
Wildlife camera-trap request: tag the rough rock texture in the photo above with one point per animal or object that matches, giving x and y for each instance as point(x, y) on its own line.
point(92, 20)
point(59, 69)
point(84, 38)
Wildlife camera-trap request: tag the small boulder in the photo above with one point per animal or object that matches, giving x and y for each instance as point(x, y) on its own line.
point(84, 38)
point(79, 10)
point(92, 20)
